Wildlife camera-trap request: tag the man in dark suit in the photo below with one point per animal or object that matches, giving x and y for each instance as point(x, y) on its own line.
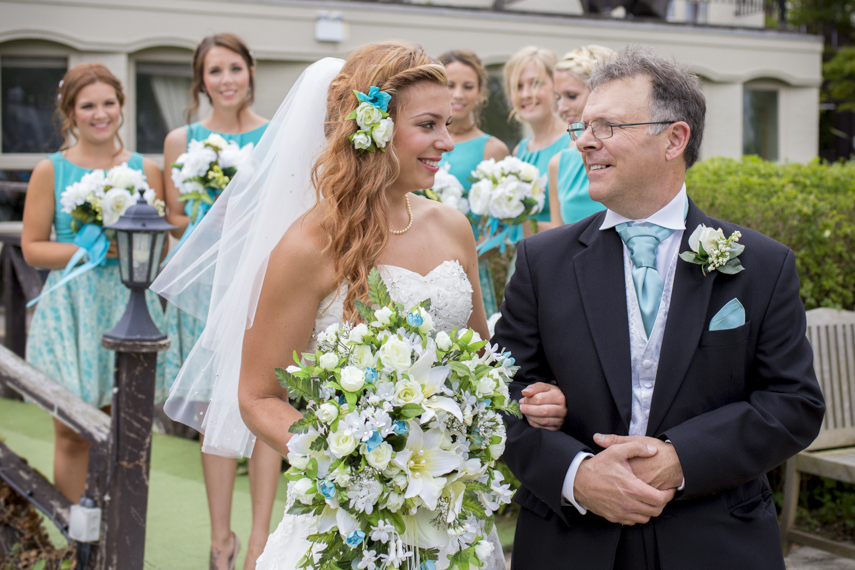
point(684, 384)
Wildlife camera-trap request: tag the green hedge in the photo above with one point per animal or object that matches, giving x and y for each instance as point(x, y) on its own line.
point(809, 207)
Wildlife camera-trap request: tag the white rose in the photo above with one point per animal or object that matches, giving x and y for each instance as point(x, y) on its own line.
point(361, 141)
point(463, 206)
point(383, 316)
point(479, 197)
point(511, 165)
point(380, 457)
point(367, 114)
point(497, 449)
point(506, 201)
point(443, 341)
point(382, 132)
point(122, 176)
point(486, 169)
point(485, 387)
point(217, 140)
point(197, 159)
point(706, 236)
point(394, 502)
point(116, 201)
point(298, 460)
point(357, 333)
point(529, 172)
point(234, 155)
point(303, 490)
point(483, 549)
point(362, 357)
point(191, 186)
point(73, 196)
point(395, 354)
point(341, 443)
point(352, 378)
point(502, 389)
point(327, 412)
point(328, 361)
point(408, 392)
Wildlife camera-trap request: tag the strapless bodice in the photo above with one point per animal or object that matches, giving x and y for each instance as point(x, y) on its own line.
point(447, 286)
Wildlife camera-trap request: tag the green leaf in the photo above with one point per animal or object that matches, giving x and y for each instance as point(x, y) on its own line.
point(477, 486)
point(351, 116)
point(351, 398)
point(40, 565)
point(302, 425)
point(364, 309)
point(300, 509)
point(691, 257)
point(473, 505)
point(305, 388)
point(461, 369)
point(319, 444)
point(732, 267)
point(409, 411)
point(397, 521)
point(378, 294)
point(736, 249)
point(398, 442)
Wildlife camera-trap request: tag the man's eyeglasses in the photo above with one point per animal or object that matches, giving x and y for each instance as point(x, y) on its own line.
point(603, 129)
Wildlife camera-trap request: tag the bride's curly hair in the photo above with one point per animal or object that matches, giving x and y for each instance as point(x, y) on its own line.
point(351, 187)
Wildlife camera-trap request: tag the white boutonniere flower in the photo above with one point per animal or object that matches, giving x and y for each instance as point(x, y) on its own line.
point(714, 252)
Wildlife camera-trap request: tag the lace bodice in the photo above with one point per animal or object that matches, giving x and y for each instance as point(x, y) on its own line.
point(447, 286)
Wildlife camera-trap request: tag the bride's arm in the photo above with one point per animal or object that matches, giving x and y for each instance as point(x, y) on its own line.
point(295, 282)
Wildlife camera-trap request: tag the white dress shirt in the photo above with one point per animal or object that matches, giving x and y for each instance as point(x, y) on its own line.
point(672, 216)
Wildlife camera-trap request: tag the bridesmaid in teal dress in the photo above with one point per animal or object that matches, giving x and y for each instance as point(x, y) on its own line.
point(467, 81)
point(570, 192)
point(65, 335)
point(224, 70)
point(529, 87)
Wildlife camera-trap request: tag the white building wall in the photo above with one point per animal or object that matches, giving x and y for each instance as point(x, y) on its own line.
point(723, 128)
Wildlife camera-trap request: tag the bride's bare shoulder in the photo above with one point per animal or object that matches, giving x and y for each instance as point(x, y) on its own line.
point(299, 257)
point(441, 216)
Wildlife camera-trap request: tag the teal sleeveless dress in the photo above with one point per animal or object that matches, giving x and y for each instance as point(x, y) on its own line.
point(183, 328)
point(65, 335)
point(462, 161)
point(572, 188)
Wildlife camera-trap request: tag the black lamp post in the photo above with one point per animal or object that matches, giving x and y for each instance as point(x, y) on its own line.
point(140, 233)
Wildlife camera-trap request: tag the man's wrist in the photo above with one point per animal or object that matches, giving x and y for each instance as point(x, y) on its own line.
point(568, 490)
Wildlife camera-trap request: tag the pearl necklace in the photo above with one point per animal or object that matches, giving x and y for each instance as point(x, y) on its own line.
point(409, 214)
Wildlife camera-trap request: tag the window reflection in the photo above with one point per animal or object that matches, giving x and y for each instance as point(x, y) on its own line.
point(28, 90)
point(163, 92)
point(760, 123)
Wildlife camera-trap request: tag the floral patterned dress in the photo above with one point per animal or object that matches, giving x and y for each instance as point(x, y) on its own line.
point(65, 335)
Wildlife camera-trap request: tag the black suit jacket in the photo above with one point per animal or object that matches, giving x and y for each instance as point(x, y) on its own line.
point(734, 403)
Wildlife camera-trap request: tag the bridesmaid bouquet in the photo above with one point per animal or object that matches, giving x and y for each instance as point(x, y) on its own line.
point(101, 197)
point(205, 170)
point(396, 452)
point(505, 194)
point(448, 190)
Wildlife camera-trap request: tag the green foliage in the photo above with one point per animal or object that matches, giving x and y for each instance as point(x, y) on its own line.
point(839, 75)
point(377, 292)
point(830, 18)
point(808, 207)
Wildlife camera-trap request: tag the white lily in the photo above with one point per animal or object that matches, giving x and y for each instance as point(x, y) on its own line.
point(423, 533)
point(432, 381)
point(424, 463)
point(331, 517)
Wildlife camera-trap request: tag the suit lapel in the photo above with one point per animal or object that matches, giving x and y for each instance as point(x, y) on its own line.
point(600, 275)
point(686, 317)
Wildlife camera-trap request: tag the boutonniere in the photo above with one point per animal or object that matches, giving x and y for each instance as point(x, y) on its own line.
point(712, 251)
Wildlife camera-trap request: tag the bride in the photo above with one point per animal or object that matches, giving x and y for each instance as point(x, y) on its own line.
point(288, 247)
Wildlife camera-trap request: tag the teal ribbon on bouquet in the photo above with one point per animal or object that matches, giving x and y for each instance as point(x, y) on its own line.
point(495, 237)
point(203, 208)
point(93, 243)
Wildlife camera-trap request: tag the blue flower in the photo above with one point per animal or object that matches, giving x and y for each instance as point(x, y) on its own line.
point(355, 538)
point(327, 489)
point(371, 375)
point(428, 565)
point(414, 319)
point(342, 401)
point(400, 428)
point(373, 441)
point(379, 99)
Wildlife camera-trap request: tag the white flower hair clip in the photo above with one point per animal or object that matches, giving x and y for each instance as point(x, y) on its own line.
point(375, 125)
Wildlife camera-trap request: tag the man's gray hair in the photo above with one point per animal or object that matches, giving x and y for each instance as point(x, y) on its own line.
point(675, 93)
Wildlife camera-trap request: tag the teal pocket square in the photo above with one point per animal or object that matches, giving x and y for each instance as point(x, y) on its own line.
point(730, 316)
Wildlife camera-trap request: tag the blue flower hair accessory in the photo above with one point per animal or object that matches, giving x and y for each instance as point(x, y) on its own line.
point(375, 125)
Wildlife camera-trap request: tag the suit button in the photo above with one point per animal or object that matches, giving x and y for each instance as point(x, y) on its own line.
point(647, 364)
point(648, 385)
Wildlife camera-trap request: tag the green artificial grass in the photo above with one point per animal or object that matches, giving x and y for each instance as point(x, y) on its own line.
point(178, 530)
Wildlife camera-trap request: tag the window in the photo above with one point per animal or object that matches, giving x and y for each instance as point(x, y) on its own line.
point(163, 92)
point(760, 123)
point(28, 90)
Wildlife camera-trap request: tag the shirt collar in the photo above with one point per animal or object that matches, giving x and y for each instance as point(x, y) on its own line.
point(672, 216)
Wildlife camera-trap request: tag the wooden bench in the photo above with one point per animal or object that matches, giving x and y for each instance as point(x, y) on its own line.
point(832, 335)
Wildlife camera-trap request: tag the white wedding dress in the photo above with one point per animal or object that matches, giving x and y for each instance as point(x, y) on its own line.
point(450, 293)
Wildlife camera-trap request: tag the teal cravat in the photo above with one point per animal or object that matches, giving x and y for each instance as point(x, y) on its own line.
point(643, 240)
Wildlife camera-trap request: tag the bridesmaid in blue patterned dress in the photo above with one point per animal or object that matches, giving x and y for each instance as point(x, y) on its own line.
point(224, 70)
point(467, 81)
point(529, 88)
point(65, 335)
point(569, 195)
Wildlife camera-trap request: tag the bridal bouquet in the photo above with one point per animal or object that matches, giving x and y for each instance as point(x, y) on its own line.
point(101, 197)
point(205, 170)
point(505, 193)
point(448, 190)
point(396, 452)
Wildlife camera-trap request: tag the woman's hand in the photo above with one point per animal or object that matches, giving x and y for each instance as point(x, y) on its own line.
point(544, 406)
